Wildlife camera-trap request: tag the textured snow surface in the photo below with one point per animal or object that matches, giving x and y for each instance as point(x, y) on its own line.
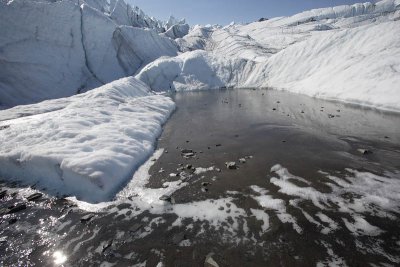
point(57, 49)
point(87, 145)
point(347, 53)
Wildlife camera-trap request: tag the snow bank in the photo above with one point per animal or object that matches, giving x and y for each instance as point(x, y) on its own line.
point(196, 70)
point(57, 49)
point(359, 65)
point(87, 145)
point(346, 53)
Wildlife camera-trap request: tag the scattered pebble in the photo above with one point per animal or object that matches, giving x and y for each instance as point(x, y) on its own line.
point(364, 151)
point(107, 245)
point(210, 262)
point(330, 116)
point(86, 218)
point(189, 166)
point(167, 198)
point(231, 165)
point(3, 127)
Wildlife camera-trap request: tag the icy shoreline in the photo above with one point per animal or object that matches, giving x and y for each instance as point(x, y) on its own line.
point(89, 145)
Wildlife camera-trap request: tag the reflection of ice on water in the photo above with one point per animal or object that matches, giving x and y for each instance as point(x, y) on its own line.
point(59, 257)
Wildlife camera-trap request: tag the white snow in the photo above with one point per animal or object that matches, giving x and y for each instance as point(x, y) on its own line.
point(361, 226)
point(261, 216)
point(57, 49)
point(346, 53)
point(89, 146)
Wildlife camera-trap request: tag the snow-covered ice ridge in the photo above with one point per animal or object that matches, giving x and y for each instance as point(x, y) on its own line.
point(52, 49)
point(346, 53)
point(87, 145)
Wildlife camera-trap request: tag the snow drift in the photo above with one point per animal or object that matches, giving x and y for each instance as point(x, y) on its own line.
point(86, 145)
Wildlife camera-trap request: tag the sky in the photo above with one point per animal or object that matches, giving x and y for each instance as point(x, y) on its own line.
point(225, 11)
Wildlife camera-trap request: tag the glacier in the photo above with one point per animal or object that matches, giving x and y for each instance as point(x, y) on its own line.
point(60, 48)
point(345, 53)
point(83, 83)
point(87, 145)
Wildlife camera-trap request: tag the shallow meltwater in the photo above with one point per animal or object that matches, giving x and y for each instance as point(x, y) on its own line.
point(239, 178)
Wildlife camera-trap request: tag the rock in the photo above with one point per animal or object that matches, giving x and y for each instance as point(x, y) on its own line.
point(177, 238)
point(386, 137)
point(217, 169)
point(180, 169)
point(188, 155)
point(3, 127)
point(34, 196)
point(17, 208)
point(330, 116)
point(364, 151)
point(283, 141)
point(189, 166)
point(302, 111)
point(274, 109)
point(173, 174)
point(262, 19)
point(12, 221)
point(218, 145)
point(242, 160)
point(205, 184)
point(231, 165)
point(185, 151)
point(107, 245)
point(167, 198)
point(204, 189)
point(3, 239)
point(135, 227)
point(248, 157)
point(86, 218)
point(210, 262)
point(3, 193)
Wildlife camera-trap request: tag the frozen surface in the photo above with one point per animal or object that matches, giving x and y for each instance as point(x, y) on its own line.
point(53, 49)
point(87, 145)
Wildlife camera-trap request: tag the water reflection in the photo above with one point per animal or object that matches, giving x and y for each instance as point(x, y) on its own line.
point(59, 257)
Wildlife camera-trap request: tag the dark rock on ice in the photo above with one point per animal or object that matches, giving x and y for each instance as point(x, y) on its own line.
point(34, 196)
point(17, 208)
